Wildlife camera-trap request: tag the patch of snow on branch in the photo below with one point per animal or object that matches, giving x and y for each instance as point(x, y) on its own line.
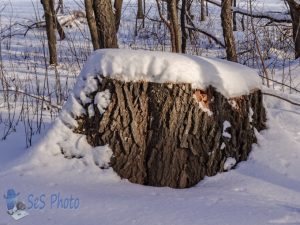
point(230, 79)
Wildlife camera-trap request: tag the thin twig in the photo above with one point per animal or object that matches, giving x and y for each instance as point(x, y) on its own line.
point(284, 99)
point(33, 96)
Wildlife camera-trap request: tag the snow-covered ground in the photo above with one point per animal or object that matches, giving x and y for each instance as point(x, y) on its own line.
point(263, 190)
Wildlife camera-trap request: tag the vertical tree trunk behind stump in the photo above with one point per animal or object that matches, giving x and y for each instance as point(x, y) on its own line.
point(161, 135)
point(226, 19)
point(295, 14)
point(50, 28)
point(92, 23)
point(106, 26)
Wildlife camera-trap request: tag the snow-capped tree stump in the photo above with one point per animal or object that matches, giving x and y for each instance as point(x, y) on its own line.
point(168, 133)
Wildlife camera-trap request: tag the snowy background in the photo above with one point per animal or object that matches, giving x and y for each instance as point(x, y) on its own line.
point(263, 190)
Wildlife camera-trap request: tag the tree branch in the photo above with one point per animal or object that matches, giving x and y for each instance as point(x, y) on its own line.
point(33, 96)
point(284, 99)
point(284, 18)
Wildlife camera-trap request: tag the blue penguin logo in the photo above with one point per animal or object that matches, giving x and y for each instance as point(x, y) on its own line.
point(11, 199)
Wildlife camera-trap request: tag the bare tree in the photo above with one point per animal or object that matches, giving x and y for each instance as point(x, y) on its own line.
point(226, 18)
point(118, 13)
point(295, 15)
point(106, 25)
point(57, 25)
point(172, 23)
point(140, 12)
point(183, 23)
point(60, 7)
point(92, 23)
point(234, 17)
point(50, 28)
point(175, 28)
point(202, 13)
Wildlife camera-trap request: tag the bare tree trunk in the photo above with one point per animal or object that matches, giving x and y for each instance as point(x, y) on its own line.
point(171, 23)
point(140, 12)
point(183, 22)
point(92, 23)
point(295, 15)
point(50, 28)
point(60, 7)
point(59, 28)
point(106, 26)
point(234, 17)
point(175, 30)
point(118, 13)
point(202, 15)
point(144, 4)
point(226, 18)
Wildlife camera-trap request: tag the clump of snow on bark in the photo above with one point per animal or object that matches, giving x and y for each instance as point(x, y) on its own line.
point(223, 145)
point(250, 114)
point(231, 79)
point(226, 125)
point(229, 163)
point(233, 103)
point(74, 107)
point(102, 156)
point(84, 87)
point(91, 111)
point(102, 100)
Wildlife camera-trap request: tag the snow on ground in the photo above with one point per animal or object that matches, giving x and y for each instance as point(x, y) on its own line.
point(263, 190)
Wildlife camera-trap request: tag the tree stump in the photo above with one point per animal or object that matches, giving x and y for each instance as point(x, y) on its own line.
point(169, 134)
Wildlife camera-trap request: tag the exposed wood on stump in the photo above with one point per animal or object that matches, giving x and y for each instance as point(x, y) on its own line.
point(161, 136)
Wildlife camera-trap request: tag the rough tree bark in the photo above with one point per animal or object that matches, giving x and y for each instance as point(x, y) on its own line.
point(295, 15)
point(162, 135)
point(50, 28)
point(91, 23)
point(106, 26)
point(226, 18)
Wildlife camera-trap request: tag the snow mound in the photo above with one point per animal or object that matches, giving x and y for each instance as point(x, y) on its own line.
point(230, 79)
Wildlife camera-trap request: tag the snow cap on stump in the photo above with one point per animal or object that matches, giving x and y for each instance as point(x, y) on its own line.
point(230, 79)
